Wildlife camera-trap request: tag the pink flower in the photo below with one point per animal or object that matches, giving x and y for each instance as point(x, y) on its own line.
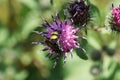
point(60, 37)
point(115, 19)
point(116, 15)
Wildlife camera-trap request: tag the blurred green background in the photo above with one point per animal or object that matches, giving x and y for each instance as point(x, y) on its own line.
point(20, 60)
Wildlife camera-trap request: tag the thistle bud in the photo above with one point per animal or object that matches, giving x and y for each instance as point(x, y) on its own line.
point(115, 19)
point(79, 12)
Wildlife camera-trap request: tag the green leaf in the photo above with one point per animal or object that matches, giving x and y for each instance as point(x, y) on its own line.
point(95, 14)
point(95, 9)
point(81, 54)
point(81, 51)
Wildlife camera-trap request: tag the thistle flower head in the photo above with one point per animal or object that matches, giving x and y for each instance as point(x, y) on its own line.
point(79, 11)
point(116, 15)
point(60, 37)
point(115, 22)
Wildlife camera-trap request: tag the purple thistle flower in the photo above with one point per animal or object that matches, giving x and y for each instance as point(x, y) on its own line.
point(60, 38)
point(115, 22)
point(79, 11)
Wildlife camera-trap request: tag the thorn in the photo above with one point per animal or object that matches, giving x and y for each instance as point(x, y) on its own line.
point(49, 55)
point(71, 20)
point(75, 14)
point(65, 14)
point(65, 22)
point(84, 25)
point(57, 15)
point(55, 63)
point(40, 43)
point(47, 23)
point(40, 26)
point(54, 58)
point(54, 20)
point(52, 16)
point(43, 25)
point(65, 55)
point(34, 42)
point(64, 60)
point(40, 33)
point(71, 54)
point(37, 32)
point(61, 24)
point(112, 5)
point(45, 49)
point(52, 28)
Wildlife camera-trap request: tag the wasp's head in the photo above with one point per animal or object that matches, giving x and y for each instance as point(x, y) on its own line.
point(54, 35)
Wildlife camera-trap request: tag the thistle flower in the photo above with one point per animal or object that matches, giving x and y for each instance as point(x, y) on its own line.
point(79, 11)
point(115, 21)
point(60, 38)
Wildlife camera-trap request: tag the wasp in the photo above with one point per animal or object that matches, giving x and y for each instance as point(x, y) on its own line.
point(53, 43)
